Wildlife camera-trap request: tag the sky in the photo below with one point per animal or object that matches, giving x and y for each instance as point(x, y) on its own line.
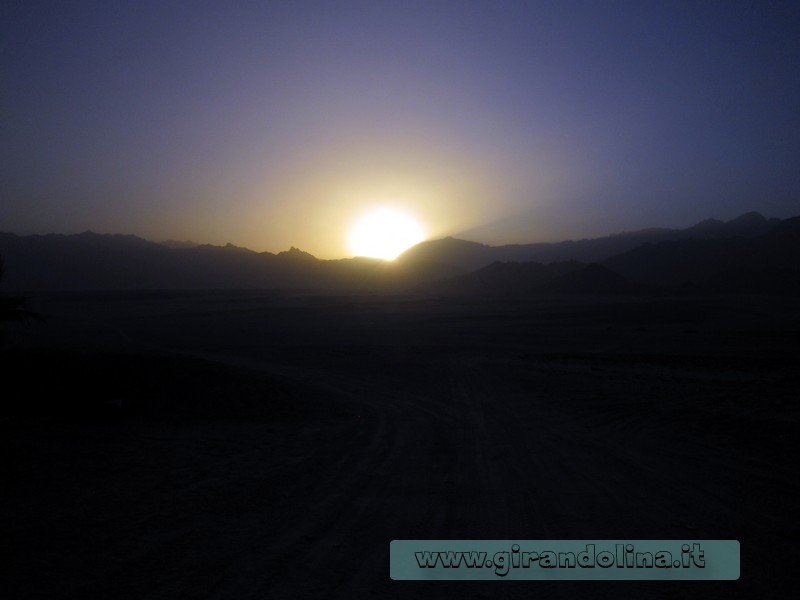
point(278, 124)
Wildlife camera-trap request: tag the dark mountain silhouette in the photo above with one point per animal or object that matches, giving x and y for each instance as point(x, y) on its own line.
point(750, 224)
point(570, 277)
point(749, 254)
point(469, 256)
point(504, 278)
point(90, 261)
point(594, 279)
point(179, 243)
point(729, 264)
point(461, 255)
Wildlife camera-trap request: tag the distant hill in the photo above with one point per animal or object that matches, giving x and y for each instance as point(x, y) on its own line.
point(462, 255)
point(179, 243)
point(748, 254)
point(469, 256)
point(595, 279)
point(730, 264)
point(514, 279)
point(91, 261)
point(503, 278)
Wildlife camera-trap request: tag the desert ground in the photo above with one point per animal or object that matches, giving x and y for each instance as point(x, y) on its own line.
point(236, 445)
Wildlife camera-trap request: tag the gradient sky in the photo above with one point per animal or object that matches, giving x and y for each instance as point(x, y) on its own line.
point(271, 124)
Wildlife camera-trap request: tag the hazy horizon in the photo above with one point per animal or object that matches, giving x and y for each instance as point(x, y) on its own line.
point(269, 125)
point(466, 236)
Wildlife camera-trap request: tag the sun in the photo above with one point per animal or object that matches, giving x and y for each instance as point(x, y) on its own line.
point(384, 233)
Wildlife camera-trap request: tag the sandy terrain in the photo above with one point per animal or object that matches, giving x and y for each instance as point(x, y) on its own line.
point(270, 446)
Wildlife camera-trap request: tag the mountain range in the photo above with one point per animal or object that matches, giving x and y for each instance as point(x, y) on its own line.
point(747, 254)
point(469, 256)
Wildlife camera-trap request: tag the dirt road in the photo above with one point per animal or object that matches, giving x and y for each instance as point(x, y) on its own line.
point(407, 433)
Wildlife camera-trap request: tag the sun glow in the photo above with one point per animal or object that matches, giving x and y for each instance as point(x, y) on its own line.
point(384, 233)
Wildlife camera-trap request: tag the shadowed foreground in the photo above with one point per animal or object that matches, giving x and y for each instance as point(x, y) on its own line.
point(271, 446)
